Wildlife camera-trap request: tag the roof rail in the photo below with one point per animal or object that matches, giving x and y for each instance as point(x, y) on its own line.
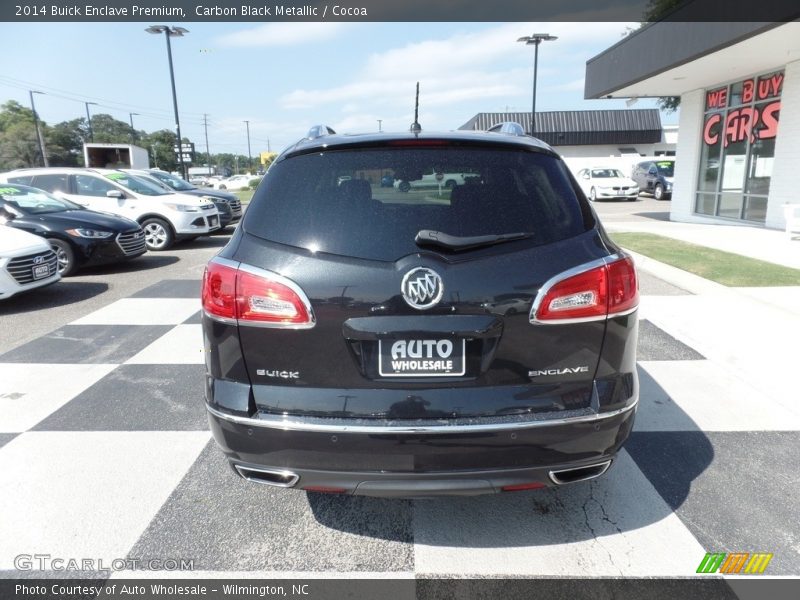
point(507, 127)
point(318, 131)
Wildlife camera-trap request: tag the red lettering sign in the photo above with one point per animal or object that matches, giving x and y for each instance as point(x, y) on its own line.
point(711, 129)
point(770, 87)
point(769, 118)
point(717, 98)
point(747, 91)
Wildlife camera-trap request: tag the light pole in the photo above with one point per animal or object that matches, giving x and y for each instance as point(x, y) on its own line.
point(172, 32)
point(133, 131)
point(249, 154)
point(38, 131)
point(89, 121)
point(535, 40)
point(380, 126)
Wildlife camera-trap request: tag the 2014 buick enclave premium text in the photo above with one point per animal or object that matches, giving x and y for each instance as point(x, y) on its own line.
point(463, 339)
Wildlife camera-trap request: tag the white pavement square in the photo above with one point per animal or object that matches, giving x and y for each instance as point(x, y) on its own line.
point(87, 494)
point(182, 345)
point(143, 311)
point(31, 392)
point(617, 525)
point(697, 395)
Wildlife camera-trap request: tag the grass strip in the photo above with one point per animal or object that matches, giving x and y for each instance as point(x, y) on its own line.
point(726, 268)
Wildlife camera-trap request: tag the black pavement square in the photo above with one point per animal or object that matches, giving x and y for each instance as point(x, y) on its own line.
point(94, 344)
point(735, 491)
point(657, 344)
point(226, 523)
point(137, 398)
point(6, 437)
point(195, 319)
point(171, 288)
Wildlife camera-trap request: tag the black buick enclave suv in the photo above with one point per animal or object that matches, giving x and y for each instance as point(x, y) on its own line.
point(470, 340)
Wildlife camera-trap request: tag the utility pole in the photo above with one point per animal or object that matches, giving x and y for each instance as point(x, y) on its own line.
point(133, 131)
point(38, 131)
point(205, 126)
point(380, 127)
point(89, 120)
point(249, 153)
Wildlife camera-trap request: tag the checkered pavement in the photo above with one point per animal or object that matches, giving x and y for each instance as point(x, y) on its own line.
point(105, 453)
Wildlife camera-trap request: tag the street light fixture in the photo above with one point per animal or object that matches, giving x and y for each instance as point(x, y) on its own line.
point(168, 33)
point(36, 127)
point(89, 120)
point(535, 40)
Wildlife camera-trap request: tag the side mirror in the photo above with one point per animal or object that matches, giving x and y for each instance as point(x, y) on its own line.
point(115, 194)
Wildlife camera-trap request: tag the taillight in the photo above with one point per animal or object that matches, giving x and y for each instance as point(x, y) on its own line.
point(594, 294)
point(253, 296)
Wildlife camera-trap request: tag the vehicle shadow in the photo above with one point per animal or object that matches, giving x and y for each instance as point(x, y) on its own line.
point(207, 241)
point(59, 294)
point(141, 263)
point(625, 499)
point(657, 216)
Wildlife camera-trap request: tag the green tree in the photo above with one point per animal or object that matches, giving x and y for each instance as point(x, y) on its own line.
point(108, 130)
point(65, 143)
point(18, 143)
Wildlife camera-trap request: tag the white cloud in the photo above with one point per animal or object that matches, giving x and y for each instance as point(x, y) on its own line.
point(486, 64)
point(283, 34)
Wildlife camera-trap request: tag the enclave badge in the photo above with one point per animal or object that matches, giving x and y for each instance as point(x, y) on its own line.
point(422, 288)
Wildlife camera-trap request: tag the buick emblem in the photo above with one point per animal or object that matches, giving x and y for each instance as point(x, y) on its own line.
point(422, 288)
point(37, 260)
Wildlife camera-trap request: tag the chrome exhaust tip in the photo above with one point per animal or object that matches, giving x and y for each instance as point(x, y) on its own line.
point(273, 477)
point(576, 474)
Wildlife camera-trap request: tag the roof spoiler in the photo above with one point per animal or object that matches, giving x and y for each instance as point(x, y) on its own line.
point(507, 127)
point(318, 131)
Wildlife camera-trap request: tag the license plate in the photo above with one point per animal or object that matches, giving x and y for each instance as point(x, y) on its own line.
point(213, 221)
point(41, 271)
point(421, 358)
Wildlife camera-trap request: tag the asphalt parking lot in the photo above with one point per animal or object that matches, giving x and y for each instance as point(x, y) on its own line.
point(105, 453)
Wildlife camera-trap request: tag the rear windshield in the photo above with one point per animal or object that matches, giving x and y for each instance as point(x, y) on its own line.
point(371, 203)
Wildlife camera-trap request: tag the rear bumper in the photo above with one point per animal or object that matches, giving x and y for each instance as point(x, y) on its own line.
point(416, 459)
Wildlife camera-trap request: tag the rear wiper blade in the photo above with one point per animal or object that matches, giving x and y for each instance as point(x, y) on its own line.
point(429, 237)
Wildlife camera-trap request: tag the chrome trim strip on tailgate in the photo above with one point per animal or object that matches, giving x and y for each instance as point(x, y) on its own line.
point(294, 423)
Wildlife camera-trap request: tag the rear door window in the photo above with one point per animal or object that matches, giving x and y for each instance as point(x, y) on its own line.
point(339, 201)
point(51, 183)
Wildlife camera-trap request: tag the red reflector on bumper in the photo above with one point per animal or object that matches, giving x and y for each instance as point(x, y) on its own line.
point(534, 485)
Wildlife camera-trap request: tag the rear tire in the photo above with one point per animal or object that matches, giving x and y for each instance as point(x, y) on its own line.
point(404, 186)
point(65, 257)
point(158, 235)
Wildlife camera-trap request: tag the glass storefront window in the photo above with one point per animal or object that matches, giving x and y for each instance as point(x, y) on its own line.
point(705, 204)
point(738, 147)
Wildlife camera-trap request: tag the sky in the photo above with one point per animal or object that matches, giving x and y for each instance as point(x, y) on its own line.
point(285, 77)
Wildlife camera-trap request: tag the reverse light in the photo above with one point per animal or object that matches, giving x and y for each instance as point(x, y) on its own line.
point(245, 295)
point(596, 293)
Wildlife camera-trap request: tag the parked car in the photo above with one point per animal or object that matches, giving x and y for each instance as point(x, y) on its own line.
point(361, 342)
point(165, 217)
point(237, 182)
point(228, 205)
point(78, 236)
point(655, 176)
point(26, 262)
point(607, 183)
point(431, 178)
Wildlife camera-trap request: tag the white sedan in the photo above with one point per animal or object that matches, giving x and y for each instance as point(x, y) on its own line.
point(601, 183)
point(26, 261)
point(237, 182)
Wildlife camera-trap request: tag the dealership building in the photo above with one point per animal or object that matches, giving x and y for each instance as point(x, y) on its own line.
point(738, 154)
